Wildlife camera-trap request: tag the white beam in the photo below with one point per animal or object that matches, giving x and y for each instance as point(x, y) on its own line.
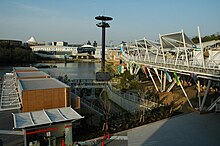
point(152, 78)
point(171, 86)
point(198, 86)
point(205, 95)
point(184, 92)
point(164, 82)
point(184, 43)
point(164, 61)
point(201, 47)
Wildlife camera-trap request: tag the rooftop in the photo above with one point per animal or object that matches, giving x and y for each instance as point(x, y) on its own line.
point(41, 83)
point(49, 116)
point(31, 74)
point(25, 69)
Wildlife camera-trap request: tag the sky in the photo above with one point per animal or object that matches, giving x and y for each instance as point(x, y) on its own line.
point(74, 20)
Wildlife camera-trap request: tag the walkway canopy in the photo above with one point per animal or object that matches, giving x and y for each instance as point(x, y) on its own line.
point(176, 40)
point(43, 117)
point(147, 43)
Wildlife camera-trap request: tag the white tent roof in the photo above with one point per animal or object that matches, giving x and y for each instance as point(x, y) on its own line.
point(32, 40)
point(49, 116)
point(148, 42)
point(176, 39)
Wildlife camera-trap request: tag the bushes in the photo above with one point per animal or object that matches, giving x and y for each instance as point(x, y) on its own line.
point(138, 118)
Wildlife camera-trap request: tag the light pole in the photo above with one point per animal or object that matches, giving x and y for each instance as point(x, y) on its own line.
point(104, 76)
point(103, 24)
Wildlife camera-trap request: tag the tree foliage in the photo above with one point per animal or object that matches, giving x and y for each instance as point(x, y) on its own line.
point(206, 38)
point(12, 55)
point(126, 78)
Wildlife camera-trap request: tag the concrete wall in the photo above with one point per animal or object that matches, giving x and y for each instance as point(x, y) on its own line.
point(123, 101)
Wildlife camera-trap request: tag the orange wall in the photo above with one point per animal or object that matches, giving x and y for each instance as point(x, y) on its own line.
point(35, 100)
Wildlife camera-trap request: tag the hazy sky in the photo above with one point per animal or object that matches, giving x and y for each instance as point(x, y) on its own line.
point(73, 20)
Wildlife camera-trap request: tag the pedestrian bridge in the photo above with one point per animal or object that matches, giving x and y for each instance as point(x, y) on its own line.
point(173, 61)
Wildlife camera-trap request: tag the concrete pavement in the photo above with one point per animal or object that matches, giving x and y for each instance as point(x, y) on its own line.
point(189, 129)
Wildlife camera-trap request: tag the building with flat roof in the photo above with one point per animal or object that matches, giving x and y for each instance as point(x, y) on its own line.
point(31, 75)
point(24, 69)
point(30, 89)
point(43, 93)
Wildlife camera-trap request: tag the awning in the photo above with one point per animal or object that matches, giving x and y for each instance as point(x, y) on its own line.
point(49, 116)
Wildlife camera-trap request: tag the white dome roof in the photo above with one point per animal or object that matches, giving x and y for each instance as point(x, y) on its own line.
point(87, 46)
point(32, 40)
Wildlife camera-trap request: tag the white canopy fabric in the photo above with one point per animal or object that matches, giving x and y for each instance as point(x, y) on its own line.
point(175, 39)
point(148, 42)
point(49, 116)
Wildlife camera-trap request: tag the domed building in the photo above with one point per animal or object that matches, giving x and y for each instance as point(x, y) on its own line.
point(86, 49)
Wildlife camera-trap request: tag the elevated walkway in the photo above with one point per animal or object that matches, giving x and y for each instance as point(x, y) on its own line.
point(180, 67)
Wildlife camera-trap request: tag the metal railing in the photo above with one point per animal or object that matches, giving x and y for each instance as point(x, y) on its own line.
point(92, 106)
point(132, 97)
point(170, 63)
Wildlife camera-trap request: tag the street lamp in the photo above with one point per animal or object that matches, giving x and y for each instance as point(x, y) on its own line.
point(104, 76)
point(103, 24)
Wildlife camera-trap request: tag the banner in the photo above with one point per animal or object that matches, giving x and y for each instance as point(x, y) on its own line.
point(168, 76)
point(194, 77)
point(177, 78)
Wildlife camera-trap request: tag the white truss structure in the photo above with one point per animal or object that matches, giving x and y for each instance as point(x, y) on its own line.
point(175, 53)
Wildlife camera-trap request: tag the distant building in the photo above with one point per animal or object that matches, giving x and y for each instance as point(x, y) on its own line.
point(59, 44)
point(86, 49)
point(62, 49)
point(56, 50)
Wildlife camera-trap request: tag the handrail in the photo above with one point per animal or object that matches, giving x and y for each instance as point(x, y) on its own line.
point(170, 64)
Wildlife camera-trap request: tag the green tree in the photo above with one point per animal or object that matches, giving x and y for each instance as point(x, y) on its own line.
point(206, 38)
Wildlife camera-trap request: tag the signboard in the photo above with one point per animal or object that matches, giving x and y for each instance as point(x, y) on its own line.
point(103, 76)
